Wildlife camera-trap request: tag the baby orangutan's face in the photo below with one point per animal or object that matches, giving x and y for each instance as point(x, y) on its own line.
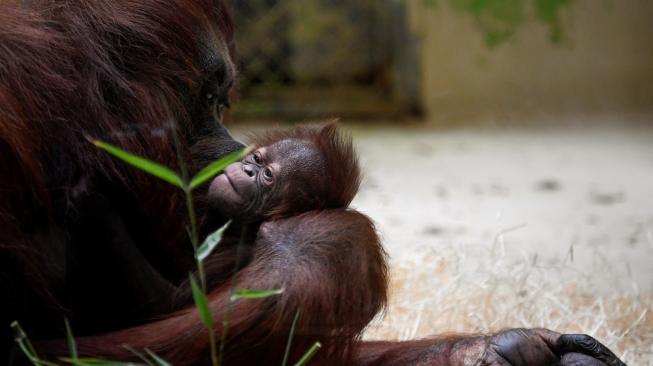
point(265, 178)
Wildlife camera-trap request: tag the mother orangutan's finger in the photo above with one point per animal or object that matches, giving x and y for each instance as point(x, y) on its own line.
point(522, 347)
point(582, 343)
point(579, 359)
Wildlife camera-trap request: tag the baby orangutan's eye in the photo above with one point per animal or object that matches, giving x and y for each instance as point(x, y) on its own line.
point(267, 174)
point(257, 158)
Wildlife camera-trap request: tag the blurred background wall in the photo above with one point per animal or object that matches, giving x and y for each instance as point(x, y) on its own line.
point(318, 58)
point(449, 61)
point(565, 56)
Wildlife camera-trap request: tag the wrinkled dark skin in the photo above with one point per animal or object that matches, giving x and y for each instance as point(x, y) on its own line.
point(248, 189)
point(542, 347)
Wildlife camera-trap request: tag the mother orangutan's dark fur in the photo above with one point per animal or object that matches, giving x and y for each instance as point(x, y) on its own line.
point(119, 71)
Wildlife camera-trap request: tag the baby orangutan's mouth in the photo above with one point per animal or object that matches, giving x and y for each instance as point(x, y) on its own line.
point(222, 189)
point(231, 183)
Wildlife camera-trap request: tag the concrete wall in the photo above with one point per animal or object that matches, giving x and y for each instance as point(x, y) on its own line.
point(604, 63)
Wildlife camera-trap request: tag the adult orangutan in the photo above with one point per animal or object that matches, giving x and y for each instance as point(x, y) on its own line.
point(87, 237)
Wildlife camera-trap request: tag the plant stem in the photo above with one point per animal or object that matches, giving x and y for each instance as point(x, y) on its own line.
point(289, 343)
point(26, 346)
point(194, 239)
point(200, 268)
point(215, 361)
point(309, 354)
point(227, 315)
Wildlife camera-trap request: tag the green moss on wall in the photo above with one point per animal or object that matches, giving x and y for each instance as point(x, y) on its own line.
point(498, 20)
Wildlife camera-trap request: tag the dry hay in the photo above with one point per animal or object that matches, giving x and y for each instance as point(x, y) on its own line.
point(472, 289)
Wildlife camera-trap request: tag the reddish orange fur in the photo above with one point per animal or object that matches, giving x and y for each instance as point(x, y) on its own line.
point(332, 268)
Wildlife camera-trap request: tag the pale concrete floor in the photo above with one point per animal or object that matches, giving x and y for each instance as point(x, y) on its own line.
point(541, 192)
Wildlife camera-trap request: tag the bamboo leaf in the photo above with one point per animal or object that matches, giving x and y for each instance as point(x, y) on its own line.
point(309, 354)
point(95, 362)
point(210, 243)
point(138, 354)
point(202, 303)
point(21, 338)
point(26, 346)
point(254, 294)
point(72, 345)
point(159, 361)
point(216, 167)
point(143, 164)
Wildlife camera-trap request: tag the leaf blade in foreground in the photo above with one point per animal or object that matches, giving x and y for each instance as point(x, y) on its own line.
point(254, 294)
point(202, 303)
point(309, 354)
point(26, 346)
point(70, 340)
point(158, 359)
point(216, 167)
point(94, 362)
point(138, 354)
point(143, 164)
point(210, 243)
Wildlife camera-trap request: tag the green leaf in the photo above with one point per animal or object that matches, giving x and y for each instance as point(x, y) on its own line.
point(94, 362)
point(72, 346)
point(309, 354)
point(25, 345)
point(216, 167)
point(254, 294)
point(159, 361)
point(202, 303)
point(138, 354)
point(143, 164)
point(21, 337)
point(210, 243)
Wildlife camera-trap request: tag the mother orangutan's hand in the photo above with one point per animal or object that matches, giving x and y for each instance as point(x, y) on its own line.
point(542, 347)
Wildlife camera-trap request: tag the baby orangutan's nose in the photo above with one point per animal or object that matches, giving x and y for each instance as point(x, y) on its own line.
point(249, 169)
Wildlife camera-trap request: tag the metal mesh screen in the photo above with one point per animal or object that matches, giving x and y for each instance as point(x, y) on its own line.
point(319, 57)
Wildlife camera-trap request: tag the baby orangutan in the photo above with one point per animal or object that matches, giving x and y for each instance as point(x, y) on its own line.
point(289, 172)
